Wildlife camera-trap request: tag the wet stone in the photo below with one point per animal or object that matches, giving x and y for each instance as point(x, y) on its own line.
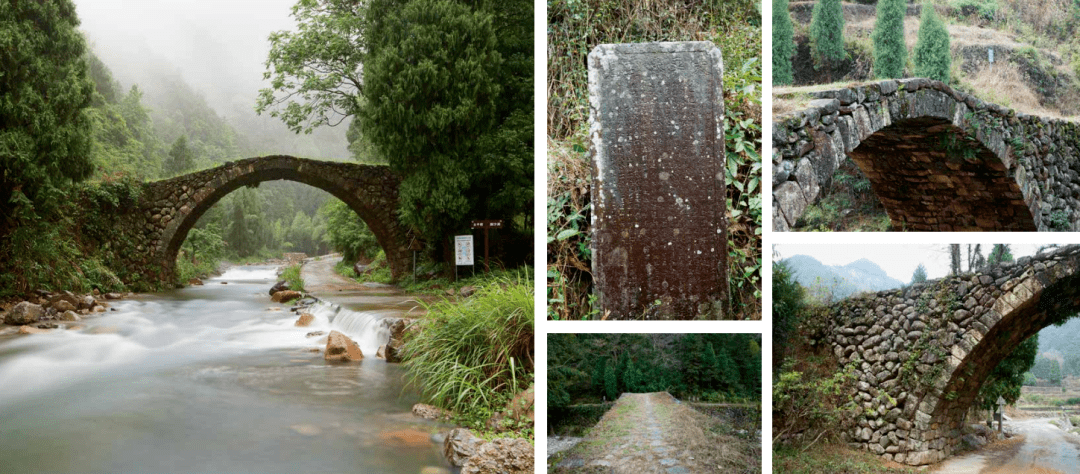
point(659, 232)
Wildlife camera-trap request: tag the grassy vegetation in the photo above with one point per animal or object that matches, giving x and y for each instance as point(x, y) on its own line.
point(574, 28)
point(427, 280)
point(847, 205)
point(832, 459)
point(291, 274)
point(472, 356)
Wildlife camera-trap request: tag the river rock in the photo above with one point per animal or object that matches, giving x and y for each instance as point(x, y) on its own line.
point(195, 282)
point(87, 302)
point(467, 291)
point(24, 313)
point(113, 296)
point(460, 445)
point(405, 438)
point(503, 455)
point(519, 410)
point(69, 316)
point(99, 309)
point(340, 348)
point(32, 330)
point(305, 320)
point(428, 412)
point(63, 306)
point(279, 286)
point(285, 295)
point(315, 333)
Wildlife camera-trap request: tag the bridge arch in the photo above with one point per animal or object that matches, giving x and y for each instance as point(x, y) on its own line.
point(921, 353)
point(938, 159)
point(170, 208)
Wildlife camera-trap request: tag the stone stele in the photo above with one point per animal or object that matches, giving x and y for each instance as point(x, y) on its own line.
point(659, 227)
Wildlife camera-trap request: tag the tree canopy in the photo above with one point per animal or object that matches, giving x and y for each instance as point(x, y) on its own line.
point(45, 90)
point(783, 43)
point(890, 51)
point(827, 32)
point(933, 58)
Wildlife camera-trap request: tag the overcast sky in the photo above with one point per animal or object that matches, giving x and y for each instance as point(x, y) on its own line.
point(218, 46)
point(898, 260)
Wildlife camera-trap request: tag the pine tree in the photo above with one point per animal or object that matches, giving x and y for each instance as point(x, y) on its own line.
point(933, 59)
point(180, 159)
point(827, 33)
point(920, 274)
point(783, 43)
point(611, 385)
point(890, 51)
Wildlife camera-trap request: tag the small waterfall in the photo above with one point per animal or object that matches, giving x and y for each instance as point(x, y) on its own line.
point(368, 328)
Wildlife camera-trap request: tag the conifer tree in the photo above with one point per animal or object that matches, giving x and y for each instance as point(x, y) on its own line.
point(920, 274)
point(932, 56)
point(890, 51)
point(611, 385)
point(783, 43)
point(827, 33)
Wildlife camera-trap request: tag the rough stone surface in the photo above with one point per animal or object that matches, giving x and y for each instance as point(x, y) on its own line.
point(659, 226)
point(919, 354)
point(340, 348)
point(305, 320)
point(146, 231)
point(460, 445)
point(24, 313)
point(503, 455)
point(285, 295)
point(279, 286)
point(938, 159)
point(428, 412)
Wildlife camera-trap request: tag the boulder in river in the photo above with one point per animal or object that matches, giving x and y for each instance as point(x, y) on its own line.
point(460, 445)
point(63, 306)
point(340, 348)
point(113, 296)
point(285, 295)
point(429, 412)
point(69, 316)
point(62, 301)
point(305, 320)
point(279, 286)
point(503, 455)
point(24, 313)
point(32, 330)
point(195, 282)
point(87, 302)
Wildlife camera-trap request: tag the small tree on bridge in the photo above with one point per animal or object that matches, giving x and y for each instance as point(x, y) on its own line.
point(890, 51)
point(933, 59)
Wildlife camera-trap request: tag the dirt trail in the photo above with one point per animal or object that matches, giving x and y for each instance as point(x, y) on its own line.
point(1044, 449)
point(320, 278)
point(323, 282)
point(654, 433)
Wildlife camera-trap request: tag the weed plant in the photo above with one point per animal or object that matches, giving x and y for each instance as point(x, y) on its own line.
point(291, 274)
point(471, 357)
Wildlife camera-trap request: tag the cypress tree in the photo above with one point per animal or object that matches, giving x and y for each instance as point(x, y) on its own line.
point(890, 52)
point(611, 385)
point(827, 32)
point(783, 43)
point(932, 56)
point(919, 275)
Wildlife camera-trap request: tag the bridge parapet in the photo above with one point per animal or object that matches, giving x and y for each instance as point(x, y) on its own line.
point(920, 353)
point(938, 159)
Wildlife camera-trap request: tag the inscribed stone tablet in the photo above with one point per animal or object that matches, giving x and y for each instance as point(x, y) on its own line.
point(658, 221)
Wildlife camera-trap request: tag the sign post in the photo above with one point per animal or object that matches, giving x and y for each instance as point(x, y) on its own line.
point(486, 225)
point(463, 252)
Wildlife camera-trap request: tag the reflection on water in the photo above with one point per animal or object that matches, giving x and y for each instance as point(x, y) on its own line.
point(205, 379)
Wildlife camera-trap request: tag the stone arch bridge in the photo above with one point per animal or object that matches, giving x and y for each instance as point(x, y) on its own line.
point(938, 159)
point(146, 236)
point(919, 354)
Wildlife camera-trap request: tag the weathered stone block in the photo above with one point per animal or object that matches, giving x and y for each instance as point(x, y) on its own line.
point(659, 228)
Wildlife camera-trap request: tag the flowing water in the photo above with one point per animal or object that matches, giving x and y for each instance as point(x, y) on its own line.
point(207, 380)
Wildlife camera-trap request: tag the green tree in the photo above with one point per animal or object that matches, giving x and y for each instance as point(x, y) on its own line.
point(1007, 378)
point(1001, 253)
point(933, 59)
point(611, 384)
point(783, 43)
point(827, 33)
point(919, 275)
point(788, 305)
point(180, 159)
point(45, 90)
point(890, 51)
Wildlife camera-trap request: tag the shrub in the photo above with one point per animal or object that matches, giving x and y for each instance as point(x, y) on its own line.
point(932, 56)
point(473, 356)
point(890, 51)
point(291, 274)
point(783, 43)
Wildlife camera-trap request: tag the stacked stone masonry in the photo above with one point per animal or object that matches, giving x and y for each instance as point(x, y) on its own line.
point(938, 159)
point(166, 210)
point(919, 354)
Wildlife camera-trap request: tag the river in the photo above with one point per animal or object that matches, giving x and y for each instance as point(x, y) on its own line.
point(207, 379)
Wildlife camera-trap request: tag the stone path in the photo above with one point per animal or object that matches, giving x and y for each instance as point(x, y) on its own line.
point(638, 435)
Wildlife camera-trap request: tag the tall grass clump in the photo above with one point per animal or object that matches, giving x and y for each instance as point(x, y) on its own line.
point(291, 274)
point(472, 356)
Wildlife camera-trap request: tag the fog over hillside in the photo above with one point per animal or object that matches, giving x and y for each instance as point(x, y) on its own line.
point(218, 48)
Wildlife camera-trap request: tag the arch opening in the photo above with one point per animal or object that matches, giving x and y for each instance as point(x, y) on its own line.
point(931, 175)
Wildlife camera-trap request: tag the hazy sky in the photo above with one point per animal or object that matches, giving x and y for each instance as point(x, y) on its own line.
point(218, 46)
point(898, 260)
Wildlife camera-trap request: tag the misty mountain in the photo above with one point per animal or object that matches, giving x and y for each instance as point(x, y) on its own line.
point(840, 281)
